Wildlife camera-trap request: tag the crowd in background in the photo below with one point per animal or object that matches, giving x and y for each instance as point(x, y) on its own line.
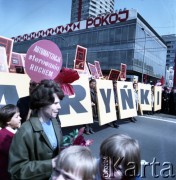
point(169, 101)
point(34, 150)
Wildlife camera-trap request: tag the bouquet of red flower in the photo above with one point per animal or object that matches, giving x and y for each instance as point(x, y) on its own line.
point(76, 138)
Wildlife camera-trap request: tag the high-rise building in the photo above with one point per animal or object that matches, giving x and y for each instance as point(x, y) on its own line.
point(171, 49)
point(82, 9)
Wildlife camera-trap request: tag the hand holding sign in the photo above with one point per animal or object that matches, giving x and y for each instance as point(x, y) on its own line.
point(43, 60)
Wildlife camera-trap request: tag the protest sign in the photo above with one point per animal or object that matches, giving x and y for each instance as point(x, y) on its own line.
point(80, 58)
point(98, 67)
point(8, 45)
point(144, 96)
point(43, 60)
point(106, 101)
point(3, 60)
point(93, 71)
point(85, 72)
point(157, 97)
point(16, 62)
point(76, 109)
point(13, 87)
point(114, 75)
point(126, 100)
point(123, 72)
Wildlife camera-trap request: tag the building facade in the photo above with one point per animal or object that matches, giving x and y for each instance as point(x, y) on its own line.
point(170, 41)
point(120, 37)
point(83, 9)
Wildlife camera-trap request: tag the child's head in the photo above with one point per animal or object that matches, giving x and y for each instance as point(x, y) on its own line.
point(10, 116)
point(75, 163)
point(120, 157)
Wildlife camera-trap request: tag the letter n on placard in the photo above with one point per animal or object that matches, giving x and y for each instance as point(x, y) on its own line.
point(76, 109)
point(126, 100)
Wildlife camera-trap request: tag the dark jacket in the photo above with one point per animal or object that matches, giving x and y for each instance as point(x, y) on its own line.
point(31, 152)
point(23, 105)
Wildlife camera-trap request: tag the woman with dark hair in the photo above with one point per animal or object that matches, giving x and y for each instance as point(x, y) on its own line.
point(36, 145)
point(10, 120)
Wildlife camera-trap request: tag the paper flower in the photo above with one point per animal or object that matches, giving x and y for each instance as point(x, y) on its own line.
point(65, 77)
point(76, 138)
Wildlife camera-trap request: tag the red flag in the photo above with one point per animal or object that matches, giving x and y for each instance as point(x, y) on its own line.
point(162, 81)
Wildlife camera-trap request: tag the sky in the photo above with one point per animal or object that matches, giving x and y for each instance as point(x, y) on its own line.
point(18, 17)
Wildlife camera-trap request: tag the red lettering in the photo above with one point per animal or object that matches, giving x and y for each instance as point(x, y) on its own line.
point(104, 20)
point(122, 19)
point(97, 21)
point(113, 18)
point(108, 19)
point(89, 22)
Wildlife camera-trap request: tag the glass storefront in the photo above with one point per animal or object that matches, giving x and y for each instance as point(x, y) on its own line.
point(114, 44)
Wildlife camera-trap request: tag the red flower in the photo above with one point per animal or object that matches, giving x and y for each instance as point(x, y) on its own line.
point(79, 141)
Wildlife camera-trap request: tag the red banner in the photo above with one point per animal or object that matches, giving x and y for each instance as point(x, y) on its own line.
point(8, 44)
point(93, 71)
point(114, 75)
point(123, 72)
point(16, 62)
point(80, 58)
point(97, 65)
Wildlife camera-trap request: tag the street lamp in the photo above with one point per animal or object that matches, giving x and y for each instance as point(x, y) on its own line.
point(143, 56)
point(67, 50)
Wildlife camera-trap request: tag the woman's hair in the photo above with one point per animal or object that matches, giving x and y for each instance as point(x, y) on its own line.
point(125, 150)
point(42, 95)
point(78, 160)
point(6, 114)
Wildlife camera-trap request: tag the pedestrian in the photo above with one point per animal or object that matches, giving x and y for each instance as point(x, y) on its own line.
point(10, 121)
point(172, 101)
point(165, 100)
point(75, 163)
point(114, 124)
point(35, 146)
point(135, 90)
point(93, 94)
point(23, 103)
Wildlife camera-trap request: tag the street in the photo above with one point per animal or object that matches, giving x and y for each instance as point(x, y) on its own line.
point(156, 136)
